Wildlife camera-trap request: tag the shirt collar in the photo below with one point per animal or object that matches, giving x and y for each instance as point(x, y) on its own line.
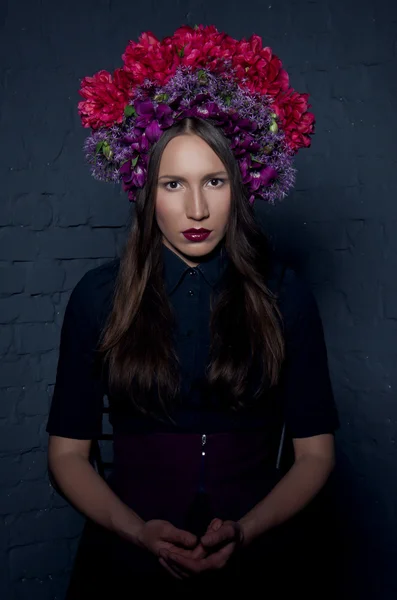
point(212, 267)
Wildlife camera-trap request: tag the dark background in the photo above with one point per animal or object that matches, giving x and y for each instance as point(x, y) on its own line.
point(337, 228)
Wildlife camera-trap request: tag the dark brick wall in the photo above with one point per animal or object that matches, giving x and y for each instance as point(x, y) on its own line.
point(337, 228)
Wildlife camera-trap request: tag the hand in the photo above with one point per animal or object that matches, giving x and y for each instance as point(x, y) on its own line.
point(198, 552)
point(216, 547)
point(159, 536)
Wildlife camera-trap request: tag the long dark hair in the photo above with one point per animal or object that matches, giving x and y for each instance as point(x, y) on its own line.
point(137, 341)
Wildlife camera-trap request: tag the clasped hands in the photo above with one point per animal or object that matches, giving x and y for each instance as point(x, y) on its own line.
point(211, 552)
point(182, 554)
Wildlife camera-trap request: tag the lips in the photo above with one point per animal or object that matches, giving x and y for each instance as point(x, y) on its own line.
point(196, 235)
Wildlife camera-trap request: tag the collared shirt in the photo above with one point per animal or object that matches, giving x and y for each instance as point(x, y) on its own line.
point(303, 399)
point(189, 289)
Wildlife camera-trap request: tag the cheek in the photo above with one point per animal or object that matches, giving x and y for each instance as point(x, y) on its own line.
point(166, 211)
point(220, 206)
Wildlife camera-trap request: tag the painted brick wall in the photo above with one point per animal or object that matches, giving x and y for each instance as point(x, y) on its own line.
point(337, 228)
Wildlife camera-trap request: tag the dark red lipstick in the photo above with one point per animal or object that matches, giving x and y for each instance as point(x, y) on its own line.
point(196, 235)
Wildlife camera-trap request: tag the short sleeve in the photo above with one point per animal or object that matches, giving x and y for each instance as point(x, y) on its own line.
point(77, 401)
point(308, 397)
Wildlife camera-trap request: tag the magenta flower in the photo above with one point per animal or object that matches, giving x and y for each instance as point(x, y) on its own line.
point(152, 118)
point(132, 176)
point(244, 120)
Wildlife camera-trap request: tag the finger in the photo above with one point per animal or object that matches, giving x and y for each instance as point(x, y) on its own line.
point(188, 564)
point(181, 571)
point(218, 559)
point(215, 524)
point(226, 533)
point(198, 552)
point(214, 561)
point(171, 571)
point(179, 536)
point(168, 547)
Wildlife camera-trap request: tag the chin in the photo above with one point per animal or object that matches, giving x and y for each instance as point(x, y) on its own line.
point(192, 249)
point(199, 248)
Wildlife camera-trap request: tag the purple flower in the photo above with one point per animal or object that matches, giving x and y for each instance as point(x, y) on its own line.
point(126, 172)
point(205, 110)
point(268, 175)
point(138, 143)
point(153, 132)
point(148, 112)
point(151, 119)
point(133, 175)
point(243, 117)
point(139, 176)
point(245, 164)
point(264, 177)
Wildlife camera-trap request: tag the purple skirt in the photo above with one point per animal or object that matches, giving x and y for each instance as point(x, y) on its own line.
point(159, 475)
point(188, 480)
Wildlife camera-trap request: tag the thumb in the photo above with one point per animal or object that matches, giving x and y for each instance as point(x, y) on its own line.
point(199, 552)
point(214, 525)
point(225, 534)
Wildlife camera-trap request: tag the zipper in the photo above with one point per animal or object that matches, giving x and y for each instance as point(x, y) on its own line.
point(202, 465)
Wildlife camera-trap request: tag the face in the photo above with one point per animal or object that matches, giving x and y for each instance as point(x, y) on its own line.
point(193, 192)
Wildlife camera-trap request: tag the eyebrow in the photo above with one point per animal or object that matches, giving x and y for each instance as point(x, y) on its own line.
point(207, 176)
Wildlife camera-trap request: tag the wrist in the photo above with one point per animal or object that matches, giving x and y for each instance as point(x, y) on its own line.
point(248, 531)
point(128, 525)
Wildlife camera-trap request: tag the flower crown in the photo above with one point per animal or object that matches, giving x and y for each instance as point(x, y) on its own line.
point(197, 72)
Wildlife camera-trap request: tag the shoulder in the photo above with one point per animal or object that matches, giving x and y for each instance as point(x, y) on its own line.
point(92, 295)
point(296, 299)
point(97, 279)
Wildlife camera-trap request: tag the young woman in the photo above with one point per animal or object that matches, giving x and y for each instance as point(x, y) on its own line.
point(211, 353)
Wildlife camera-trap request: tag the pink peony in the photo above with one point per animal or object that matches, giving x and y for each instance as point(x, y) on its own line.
point(261, 69)
point(149, 59)
point(297, 123)
point(105, 99)
point(198, 46)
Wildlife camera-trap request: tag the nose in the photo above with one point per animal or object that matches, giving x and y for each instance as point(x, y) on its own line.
point(196, 204)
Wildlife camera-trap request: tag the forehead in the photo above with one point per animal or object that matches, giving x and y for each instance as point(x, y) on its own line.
point(189, 154)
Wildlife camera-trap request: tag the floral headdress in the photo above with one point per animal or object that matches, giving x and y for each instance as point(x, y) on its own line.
point(197, 72)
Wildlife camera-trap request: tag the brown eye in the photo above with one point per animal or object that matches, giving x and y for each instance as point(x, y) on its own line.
point(216, 181)
point(171, 183)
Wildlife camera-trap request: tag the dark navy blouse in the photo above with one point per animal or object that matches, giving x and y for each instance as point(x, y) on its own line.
point(303, 400)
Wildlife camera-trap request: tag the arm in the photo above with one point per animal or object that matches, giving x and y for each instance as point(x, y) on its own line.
point(309, 410)
point(314, 462)
point(69, 463)
point(76, 418)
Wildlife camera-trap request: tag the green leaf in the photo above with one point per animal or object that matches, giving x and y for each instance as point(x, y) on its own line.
point(98, 147)
point(228, 100)
point(129, 110)
point(181, 52)
point(255, 161)
point(107, 151)
point(134, 161)
point(273, 127)
point(202, 76)
point(196, 27)
point(161, 97)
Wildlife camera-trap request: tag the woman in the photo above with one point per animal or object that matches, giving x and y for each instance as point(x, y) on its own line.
point(209, 350)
